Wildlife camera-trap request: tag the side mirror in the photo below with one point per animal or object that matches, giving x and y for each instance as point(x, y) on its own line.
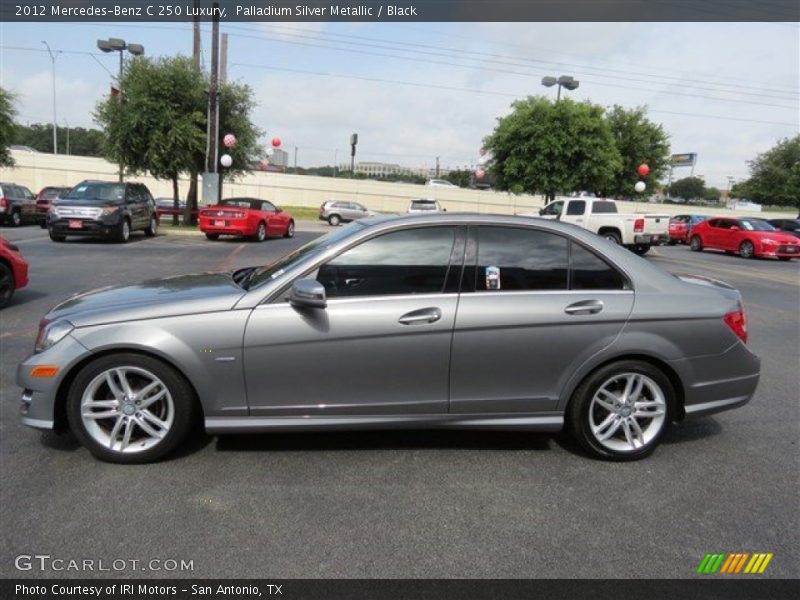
point(444, 210)
point(278, 209)
point(307, 293)
point(541, 212)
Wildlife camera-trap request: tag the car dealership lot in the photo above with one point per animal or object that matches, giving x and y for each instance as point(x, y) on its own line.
point(393, 504)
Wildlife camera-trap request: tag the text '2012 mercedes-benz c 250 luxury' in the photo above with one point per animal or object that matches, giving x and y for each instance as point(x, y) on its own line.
point(456, 321)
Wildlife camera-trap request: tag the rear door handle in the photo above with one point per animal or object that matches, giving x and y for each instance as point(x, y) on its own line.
point(585, 307)
point(423, 315)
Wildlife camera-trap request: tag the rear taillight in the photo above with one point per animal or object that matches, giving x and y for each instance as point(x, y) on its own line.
point(737, 321)
point(638, 226)
point(4, 202)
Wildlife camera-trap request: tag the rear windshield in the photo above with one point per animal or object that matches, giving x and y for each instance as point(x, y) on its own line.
point(241, 203)
point(604, 207)
point(50, 193)
point(423, 205)
point(97, 192)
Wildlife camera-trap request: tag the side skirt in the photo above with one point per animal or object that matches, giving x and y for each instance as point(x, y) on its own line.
point(538, 422)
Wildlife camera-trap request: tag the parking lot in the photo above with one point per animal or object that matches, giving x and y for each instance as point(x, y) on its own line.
point(408, 503)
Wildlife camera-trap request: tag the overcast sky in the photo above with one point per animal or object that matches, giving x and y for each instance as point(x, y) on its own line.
point(724, 90)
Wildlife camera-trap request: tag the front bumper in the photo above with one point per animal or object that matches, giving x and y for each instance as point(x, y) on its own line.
point(40, 394)
point(89, 227)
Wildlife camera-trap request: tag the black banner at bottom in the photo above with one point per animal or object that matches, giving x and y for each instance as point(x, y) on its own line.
point(406, 589)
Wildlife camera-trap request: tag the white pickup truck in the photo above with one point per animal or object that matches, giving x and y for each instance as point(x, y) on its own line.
point(635, 231)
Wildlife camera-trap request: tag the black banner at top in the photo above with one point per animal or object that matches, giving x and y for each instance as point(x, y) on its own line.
point(401, 10)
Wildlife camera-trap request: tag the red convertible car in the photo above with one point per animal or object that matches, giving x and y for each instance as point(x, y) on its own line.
point(245, 217)
point(13, 271)
point(748, 237)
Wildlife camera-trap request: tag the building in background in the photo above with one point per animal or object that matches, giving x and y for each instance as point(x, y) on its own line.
point(379, 170)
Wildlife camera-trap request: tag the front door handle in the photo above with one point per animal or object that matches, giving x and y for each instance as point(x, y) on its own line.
point(585, 307)
point(423, 315)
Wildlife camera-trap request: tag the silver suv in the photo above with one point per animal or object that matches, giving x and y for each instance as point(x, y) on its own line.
point(340, 211)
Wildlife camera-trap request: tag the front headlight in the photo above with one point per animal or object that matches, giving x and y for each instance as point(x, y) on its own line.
point(51, 333)
point(110, 210)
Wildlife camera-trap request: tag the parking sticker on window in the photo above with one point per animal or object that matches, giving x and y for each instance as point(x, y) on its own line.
point(492, 278)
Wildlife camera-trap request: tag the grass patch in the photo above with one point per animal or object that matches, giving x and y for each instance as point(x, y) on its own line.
point(302, 213)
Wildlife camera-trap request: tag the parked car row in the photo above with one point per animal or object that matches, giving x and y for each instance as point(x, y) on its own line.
point(747, 237)
point(13, 271)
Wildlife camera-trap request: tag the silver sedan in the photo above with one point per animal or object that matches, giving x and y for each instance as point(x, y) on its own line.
point(456, 321)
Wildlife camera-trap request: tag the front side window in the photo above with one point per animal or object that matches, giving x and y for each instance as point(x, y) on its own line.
point(515, 259)
point(413, 261)
point(267, 206)
point(554, 208)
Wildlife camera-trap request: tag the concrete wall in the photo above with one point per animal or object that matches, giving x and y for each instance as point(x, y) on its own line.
point(36, 170)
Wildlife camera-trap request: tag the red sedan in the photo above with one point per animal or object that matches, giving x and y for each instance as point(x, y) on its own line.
point(680, 226)
point(747, 236)
point(245, 217)
point(13, 271)
point(44, 199)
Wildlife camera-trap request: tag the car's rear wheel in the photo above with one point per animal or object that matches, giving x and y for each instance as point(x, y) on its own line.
point(784, 258)
point(129, 408)
point(621, 410)
point(334, 220)
point(289, 230)
point(261, 232)
point(696, 244)
point(15, 218)
point(746, 249)
point(124, 231)
point(612, 236)
point(641, 249)
point(212, 236)
point(7, 284)
point(152, 229)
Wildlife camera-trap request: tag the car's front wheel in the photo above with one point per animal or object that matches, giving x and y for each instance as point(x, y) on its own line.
point(621, 410)
point(746, 249)
point(6, 284)
point(289, 230)
point(129, 408)
point(641, 249)
point(124, 231)
point(56, 237)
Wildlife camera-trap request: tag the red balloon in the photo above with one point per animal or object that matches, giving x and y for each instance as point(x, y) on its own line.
point(276, 142)
point(480, 173)
point(643, 170)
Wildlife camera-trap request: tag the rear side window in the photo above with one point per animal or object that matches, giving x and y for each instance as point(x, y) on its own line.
point(576, 207)
point(590, 272)
point(514, 259)
point(604, 207)
point(413, 261)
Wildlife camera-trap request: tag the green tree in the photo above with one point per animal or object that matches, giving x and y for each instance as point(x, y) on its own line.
point(82, 141)
point(460, 177)
point(639, 141)
point(7, 113)
point(688, 188)
point(775, 176)
point(549, 148)
point(712, 194)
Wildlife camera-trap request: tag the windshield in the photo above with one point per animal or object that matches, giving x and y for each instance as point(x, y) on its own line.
point(756, 225)
point(267, 273)
point(97, 192)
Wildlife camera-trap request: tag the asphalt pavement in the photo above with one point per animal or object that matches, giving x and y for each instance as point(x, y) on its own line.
point(409, 503)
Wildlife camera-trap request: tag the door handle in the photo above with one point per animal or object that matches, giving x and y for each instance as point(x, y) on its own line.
point(423, 315)
point(585, 307)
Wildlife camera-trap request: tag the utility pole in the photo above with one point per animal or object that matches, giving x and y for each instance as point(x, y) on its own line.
point(196, 36)
point(53, 57)
point(437, 167)
point(213, 106)
point(295, 160)
point(67, 122)
point(353, 143)
point(191, 197)
point(223, 60)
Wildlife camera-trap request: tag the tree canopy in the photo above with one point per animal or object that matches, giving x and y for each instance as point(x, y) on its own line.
point(774, 176)
point(7, 113)
point(541, 147)
point(39, 136)
point(688, 188)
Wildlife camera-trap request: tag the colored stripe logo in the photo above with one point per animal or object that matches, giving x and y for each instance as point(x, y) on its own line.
point(734, 563)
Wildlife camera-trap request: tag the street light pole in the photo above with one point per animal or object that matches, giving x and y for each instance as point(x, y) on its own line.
point(565, 81)
point(53, 57)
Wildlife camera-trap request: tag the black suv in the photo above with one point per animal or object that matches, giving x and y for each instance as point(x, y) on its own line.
point(103, 209)
point(17, 204)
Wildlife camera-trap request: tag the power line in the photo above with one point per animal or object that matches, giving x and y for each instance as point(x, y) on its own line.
point(477, 91)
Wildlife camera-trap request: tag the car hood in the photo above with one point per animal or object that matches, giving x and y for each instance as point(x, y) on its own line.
point(171, 296)
point(778, 236)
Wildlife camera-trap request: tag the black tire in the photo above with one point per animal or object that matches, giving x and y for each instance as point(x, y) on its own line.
point(183, 398)
point(784, 258)
point(696, 244)
point(56, 237)
point(334, 220)
point(641, 249)
point(152, 229)
point(289, 230)
point(123, 231)
point(7, 284)
point(212, 236)
point(672, 242)
point(747, 249)
point(578, 417)
point(261, 232)
point(43, 224)
point(15, 218)
point(612, 236)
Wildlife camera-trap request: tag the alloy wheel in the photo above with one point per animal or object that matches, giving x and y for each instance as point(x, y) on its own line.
point(627, 412)
point(261, 234)
point(746, 250)
point(127, 409)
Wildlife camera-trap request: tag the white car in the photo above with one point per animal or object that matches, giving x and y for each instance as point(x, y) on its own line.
point(636, 231)
point(425, 206)
point(440, 183)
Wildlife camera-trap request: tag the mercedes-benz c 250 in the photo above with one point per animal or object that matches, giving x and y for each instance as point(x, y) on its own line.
point(453, 321)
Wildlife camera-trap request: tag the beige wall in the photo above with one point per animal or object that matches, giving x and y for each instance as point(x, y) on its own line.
point(36, 170)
